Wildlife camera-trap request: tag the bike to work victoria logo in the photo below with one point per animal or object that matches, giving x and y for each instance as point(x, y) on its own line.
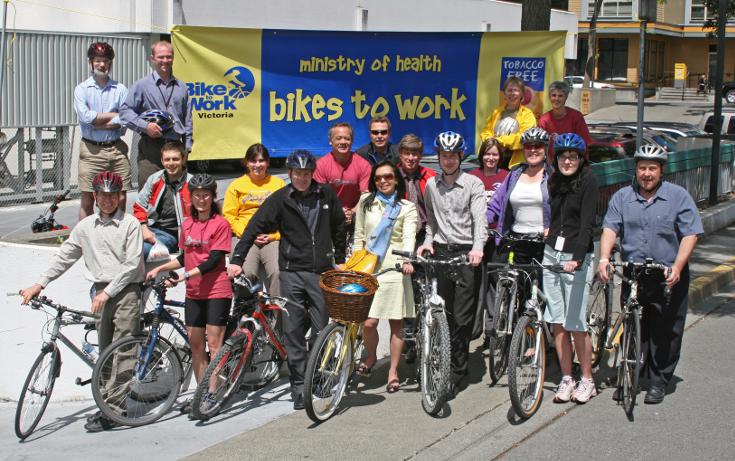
point(218, 100)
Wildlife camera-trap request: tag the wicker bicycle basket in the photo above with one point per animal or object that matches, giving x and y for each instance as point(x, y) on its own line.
point(348, 307)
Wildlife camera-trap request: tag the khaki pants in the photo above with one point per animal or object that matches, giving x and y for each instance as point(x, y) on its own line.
point(120, 318)
point(96, 159)
point(266, 257)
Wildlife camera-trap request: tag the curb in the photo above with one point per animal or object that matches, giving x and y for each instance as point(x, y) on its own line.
point(710, 283)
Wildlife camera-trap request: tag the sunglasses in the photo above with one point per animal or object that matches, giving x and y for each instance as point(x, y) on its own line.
point(377, 132)
point(385, 177)
point(536, 145)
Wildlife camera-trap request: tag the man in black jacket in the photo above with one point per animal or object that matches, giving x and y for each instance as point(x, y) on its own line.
point(310, 219)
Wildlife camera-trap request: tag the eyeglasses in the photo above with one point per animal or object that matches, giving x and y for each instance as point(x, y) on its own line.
point(385, 177)
point(569, 158)
point(377, 132)
point(535, 145)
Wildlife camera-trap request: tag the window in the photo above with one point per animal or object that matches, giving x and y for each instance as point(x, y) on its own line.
point(699, 11)
point(613, 61)
point(619, 9)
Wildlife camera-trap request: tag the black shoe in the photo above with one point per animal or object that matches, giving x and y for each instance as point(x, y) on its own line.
point(100, 424)
point(298, 401)
point(94, 416)
point(411, 354)
point(655, 395)
point(451, 391)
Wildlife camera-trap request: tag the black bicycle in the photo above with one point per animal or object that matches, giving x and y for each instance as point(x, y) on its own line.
point(628, 353)
point(39, 384)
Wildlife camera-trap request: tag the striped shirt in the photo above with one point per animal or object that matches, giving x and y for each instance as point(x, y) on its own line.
point(456, 213)
point(112, 249)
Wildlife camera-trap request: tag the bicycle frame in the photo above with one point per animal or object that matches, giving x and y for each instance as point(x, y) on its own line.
point(160, 314)
point(352, 334)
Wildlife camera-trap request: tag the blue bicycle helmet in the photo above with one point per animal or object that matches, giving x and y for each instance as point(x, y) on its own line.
point(570, 141)
point(301, 159)
point(161, 118)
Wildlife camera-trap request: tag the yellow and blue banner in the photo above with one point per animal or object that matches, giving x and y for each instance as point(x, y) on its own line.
point(285, 88)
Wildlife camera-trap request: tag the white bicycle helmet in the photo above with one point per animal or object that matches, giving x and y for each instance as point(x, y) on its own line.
point(651, 152)
point(535, 135)
point(449, 141)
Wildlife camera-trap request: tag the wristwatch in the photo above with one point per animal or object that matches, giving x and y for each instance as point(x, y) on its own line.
point(186, 275)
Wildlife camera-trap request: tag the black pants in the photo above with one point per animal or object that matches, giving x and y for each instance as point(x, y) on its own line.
point(662, 324)
point(459, 287)
point(301, 287)
point(490, 280)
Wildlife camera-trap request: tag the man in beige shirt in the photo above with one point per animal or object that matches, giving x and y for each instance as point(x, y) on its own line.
point(111, 243)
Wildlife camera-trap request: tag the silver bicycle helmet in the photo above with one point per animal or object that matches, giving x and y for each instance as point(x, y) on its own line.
point(449, 141)
point(535, 135)
point(651, 152)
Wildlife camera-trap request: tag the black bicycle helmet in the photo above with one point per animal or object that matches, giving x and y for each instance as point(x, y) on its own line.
point(301, 159)
point(202, 181)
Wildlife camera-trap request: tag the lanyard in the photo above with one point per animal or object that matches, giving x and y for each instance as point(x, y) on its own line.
point(170, 94)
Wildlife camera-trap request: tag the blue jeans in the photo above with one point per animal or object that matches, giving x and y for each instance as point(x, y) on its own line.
point(171, 242)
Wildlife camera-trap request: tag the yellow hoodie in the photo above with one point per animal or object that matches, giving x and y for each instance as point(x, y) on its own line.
point(511, 142)
point(242, 199)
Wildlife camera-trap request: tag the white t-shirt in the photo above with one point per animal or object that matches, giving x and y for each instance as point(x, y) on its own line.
point(528, 208)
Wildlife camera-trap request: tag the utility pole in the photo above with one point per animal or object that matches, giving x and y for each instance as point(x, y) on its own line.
point(714, 174)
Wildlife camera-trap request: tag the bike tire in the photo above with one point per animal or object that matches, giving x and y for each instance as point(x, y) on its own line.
point(266, 362)
point(526, 378)
point(599, 308)
point(435, 363)
point(631, 360)
point(37, 389)
point(498, 342)
point(327, 372)
point(143, 394)
point(228, 367)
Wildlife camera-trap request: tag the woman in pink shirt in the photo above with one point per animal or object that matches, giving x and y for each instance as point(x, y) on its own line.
point(205, 240)
point(562, 119)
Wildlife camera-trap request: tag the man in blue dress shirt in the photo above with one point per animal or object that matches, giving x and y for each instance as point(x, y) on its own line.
point(97, 102)
point(658, 220)
point(161, 91)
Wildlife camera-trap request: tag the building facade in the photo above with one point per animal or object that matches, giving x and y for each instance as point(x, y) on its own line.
point(676, 36)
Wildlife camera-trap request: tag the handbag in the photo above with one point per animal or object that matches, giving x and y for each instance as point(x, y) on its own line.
point(362, 261)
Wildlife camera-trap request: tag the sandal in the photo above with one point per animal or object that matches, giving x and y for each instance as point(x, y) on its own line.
point(364, 370)
point(393, 386)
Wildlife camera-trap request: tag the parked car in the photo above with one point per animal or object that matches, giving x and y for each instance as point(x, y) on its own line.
point(728, 92)
point(727, 128)
point(675, 130)
point(606, 146)
point(650, 136)
point(575, 81)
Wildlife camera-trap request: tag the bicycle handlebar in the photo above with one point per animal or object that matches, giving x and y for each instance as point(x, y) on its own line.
point(638, 268)
point(38, 302)
point(528, 267)
point(262, 296)
point(531, 238)
point(412, 257)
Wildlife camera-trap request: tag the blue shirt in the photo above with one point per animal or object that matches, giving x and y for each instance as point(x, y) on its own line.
point(90, 100)
point(151, 92)
point(652, 228)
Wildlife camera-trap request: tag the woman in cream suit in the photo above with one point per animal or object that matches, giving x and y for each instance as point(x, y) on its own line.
point(385, 221)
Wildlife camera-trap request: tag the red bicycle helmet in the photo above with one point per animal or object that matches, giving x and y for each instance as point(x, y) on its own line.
point(107, 181)
point(100, 50)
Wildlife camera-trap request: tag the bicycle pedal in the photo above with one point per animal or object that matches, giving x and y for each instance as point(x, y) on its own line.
point(79, 381)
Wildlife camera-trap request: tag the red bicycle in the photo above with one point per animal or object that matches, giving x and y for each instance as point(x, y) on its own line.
point(252, 354)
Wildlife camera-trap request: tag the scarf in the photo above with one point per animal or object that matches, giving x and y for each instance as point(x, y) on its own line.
point(379, 239)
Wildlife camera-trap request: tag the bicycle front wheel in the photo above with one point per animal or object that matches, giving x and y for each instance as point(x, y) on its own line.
point(631, 360)
point(327, 372)
point(222, 377)
point(136, 380)
point(36, 391)
point(499, 339)
point(598, 318)
point(527, 367)
point(435, 363)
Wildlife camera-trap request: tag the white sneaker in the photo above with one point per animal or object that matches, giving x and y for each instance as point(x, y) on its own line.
point(564, 390)
point(585, 391)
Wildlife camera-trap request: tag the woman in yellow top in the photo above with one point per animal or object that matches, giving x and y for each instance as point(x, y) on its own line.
point(242, 199)
point(509, 120)
point(385, 221)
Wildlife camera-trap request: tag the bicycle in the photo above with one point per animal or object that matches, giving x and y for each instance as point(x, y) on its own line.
point(138, 378)
point(431, 335)
point(599, 311)
point(509, 299)
point(527, 354)
point(628, 357)
point(338, 347)
point(39, 383)
point(253, 347)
